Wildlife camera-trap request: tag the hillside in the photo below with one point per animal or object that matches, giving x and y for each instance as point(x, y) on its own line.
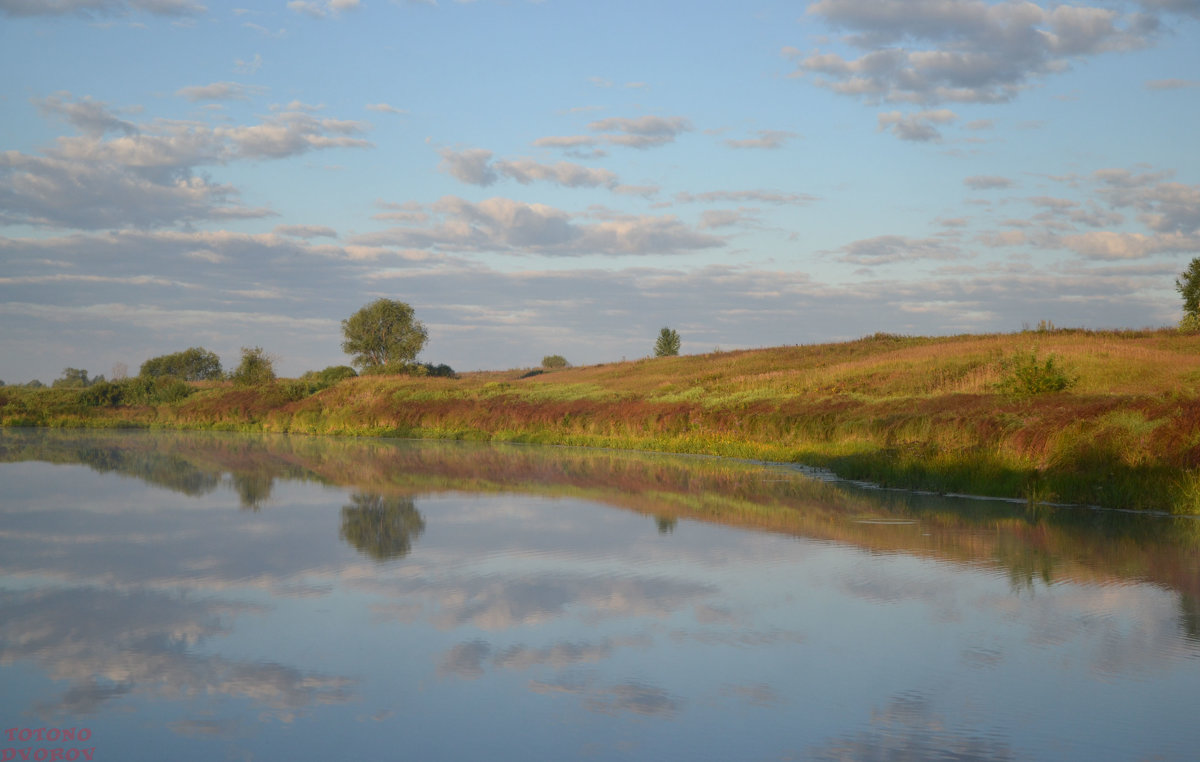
point(957, 414)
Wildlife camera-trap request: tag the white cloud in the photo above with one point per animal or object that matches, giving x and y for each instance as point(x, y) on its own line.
point(384, 108)
point(1172, 84)
point(738, 197)
point(767, 139)
point(219, 91)
point(99, 7)
point(505, 225)
point(248, 67)
point(474, 166)
point(889, 249)
point(88, 116)
point(640, 132)
point(987, 182)
point(320, 9)
point(919, 127)
point(969, 51)
point(306, 231)
point(471, 166)
point(146, 176)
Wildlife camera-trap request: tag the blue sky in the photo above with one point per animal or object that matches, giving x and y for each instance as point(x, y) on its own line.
point(568, 177)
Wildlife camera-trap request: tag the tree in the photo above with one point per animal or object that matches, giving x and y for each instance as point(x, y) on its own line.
point(256, 368)
point(383, 333)
point(1188, 286)
point(554, 361)
point(195, 364)
point(667, 344)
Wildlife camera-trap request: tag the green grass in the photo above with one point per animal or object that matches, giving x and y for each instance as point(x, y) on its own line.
point(1106, 418)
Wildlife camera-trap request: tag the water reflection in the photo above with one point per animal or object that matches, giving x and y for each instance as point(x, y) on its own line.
point(371, 590)
point(381, 527)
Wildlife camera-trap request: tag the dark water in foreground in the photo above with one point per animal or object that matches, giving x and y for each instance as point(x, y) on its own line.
point(211, 597)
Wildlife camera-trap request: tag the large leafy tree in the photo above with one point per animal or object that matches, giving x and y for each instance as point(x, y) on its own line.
point(384, 333)
point(667, 344)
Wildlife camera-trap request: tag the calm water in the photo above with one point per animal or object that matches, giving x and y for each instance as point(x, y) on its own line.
point(210, 597)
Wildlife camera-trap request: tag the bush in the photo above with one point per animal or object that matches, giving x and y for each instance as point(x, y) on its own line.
point(195, 364)
point(75, 378)
point(411, 369)
point(103, 394)
point(555, 361)
point(1025, 373)
point(256, 369)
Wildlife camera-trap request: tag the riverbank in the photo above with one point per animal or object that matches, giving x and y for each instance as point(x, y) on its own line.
point(964, 414)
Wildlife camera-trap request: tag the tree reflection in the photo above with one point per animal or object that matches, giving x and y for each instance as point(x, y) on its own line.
point(379, 526)
point(666, 524)
point(253, 488)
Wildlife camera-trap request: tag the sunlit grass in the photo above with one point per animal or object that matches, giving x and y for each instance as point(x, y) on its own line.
point(934, 413)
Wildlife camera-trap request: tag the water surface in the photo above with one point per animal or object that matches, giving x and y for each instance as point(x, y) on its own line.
point(203, 596)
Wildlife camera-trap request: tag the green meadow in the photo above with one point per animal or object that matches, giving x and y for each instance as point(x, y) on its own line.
point(1107, 418)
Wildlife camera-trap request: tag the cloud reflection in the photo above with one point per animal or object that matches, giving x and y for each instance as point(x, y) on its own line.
point(109, 645)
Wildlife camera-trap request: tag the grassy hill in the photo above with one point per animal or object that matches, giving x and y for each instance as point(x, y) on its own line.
point(964, 414)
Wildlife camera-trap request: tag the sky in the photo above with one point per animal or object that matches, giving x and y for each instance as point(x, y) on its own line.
point(569, 176)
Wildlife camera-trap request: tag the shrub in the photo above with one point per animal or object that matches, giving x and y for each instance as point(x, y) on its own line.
point(75, 378)
point(1025, 373)
point(103, 394)
point(257, 368)
point(195, 364)
point(555, 361)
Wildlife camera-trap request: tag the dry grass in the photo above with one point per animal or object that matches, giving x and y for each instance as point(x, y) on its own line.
point(918, 412)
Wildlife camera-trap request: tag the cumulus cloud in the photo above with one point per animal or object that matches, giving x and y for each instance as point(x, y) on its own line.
point(505, 225)
point(471, 166)
point(248, 67)
point(889, 249)
point(306, 231)
point(525, 171)
point(642, 132)
point(967, 51)
point(767, 139)
point(99, 7)
point(1097, 227)
point(218, 91)
point(987, 182)
point(738, 197)
point(384, 108)
point(55, 192)
point(475, 167)
point(1107, 244)
point(146, 175)
point(320, 9)
point(1166, 207)
point(723, 218)
point(89, 116)
point(1172, 84)
point(919, 127)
